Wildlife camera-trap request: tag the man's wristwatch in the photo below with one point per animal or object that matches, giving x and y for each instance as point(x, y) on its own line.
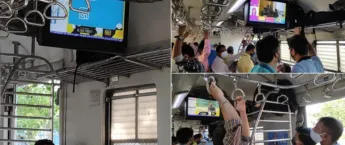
point(179, 38)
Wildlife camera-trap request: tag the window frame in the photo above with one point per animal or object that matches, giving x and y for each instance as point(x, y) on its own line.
point(326, 42)
point(108, 110)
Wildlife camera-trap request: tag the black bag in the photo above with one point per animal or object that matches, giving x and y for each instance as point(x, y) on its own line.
point(316, 18)
point(296, 16)
point(290, 93)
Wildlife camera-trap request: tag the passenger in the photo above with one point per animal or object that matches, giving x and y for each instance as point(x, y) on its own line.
point(305, 136)
point(44, 142)
point(268, 55)
point(304, 54)
point(233, 57)
point(204, 50)
point(197, 139)
point(184, 55)
point(184, 136)
point(236, 121)
point(219, 65)
point(284, 68)
point(245, 63)
point(204, 133)
point(174, 140)
point(212, 56)
point(328, 130)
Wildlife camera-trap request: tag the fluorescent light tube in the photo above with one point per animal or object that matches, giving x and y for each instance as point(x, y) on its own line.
point(235, 6)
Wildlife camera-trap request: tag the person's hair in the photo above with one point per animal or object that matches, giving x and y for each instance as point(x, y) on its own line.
point(299, 43)
point(304, 136)
point(188, 50)
point(286, 68)
point(215, 45)
point(334, 126)
point(197, 136)
point(230, 50)
point(183, 135)
point(196, 43)
point(250, 47)
point(174, 139)
point(44, 142)
point(266, 48)
point(219, 47)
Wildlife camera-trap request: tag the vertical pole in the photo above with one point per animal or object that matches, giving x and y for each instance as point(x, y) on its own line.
point(52, 110)
point(136, 115)
point(338, 56)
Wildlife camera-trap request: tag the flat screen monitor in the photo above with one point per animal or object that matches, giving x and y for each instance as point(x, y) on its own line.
point(103, 29)
point(202, 109)
point(266, 13)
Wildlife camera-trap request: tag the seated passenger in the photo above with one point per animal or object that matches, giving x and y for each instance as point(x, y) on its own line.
point(184, 55)
point(184, 136)
point(268, 55)
point(245, 63)
point(235, 118)
point(329, 130)
point(304, 54)
point(219, 65)
point(305, 136)
point(44, 142)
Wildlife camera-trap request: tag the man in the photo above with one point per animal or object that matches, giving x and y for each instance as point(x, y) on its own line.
point(219, 65)
point(268, 55)
point(304, 54)
point(235, 118)
point(245, 64)
point(44, 142)
point(184, 55)
point(212, 56)
point(211, 109)
point(233, 57)
point(184, 136)
point(328, 130)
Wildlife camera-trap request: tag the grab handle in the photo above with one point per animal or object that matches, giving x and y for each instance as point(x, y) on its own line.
point(47, 1)
point(206, 9)
point(26, 3)
point(286, 99)
point(215, 4)
point(308, 95)
point(37, 12)
point(55, 17)
point(237, 90)
point(327, 93)
point(335, 83)
point(326, 82)
point(12, 31)
point(88, 9)
point(10, 9)
point(258, 94)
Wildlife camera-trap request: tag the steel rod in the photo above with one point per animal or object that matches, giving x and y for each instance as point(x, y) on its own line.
point(31, 94)
point(29, 129)
point(273, 140)
point(25, 117)
point(274, 130)
point(25, 105)
point(275, 121)
point(13, 140)
point(31, 82)
point(276, 112)
point(52, 110)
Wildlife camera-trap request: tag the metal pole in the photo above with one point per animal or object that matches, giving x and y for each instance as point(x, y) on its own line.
point(52, 110)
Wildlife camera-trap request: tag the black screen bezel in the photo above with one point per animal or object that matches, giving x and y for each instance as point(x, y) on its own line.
point(189, 117)
point(265, 24)
point(45, 38)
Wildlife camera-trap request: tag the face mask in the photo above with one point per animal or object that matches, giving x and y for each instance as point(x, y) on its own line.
point(315, 136)
point(224, 54)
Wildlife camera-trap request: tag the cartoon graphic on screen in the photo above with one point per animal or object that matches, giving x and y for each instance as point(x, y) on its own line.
point(211, 109)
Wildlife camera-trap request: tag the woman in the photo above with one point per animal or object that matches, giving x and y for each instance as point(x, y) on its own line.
point(305, 136)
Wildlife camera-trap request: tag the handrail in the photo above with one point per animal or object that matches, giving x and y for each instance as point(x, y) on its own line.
point(258, 94)
point(80, 10)
point(55, 17)
point(237, 89)
point(215, 4)
point(335, 83)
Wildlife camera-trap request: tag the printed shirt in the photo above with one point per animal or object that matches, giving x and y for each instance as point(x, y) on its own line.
point(203, 58)
point(233, 134)
point(190, 66)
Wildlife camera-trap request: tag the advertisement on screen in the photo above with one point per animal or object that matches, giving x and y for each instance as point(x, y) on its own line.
point(203, 108)
point(266, 11)
point(105, 20)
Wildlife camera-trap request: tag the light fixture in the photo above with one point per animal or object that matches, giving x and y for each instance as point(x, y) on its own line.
point(236, 5)
point(179, 98)
point(220, 23)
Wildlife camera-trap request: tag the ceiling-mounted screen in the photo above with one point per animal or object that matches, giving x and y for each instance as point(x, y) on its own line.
point(266, 12)
point(103, 29)
point(202, 109)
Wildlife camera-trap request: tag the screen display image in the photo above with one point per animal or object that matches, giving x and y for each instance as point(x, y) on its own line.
point(267, 11)
point(203, 107)
point(104, 22)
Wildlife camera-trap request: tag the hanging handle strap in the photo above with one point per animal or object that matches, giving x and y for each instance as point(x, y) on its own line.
point(55, 17)
point(237, 90)
point(259, 94)
point(9, 8)
point(38, 13)
point(80, 10)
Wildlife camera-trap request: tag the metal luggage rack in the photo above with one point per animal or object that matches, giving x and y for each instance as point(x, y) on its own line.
point(154, 56)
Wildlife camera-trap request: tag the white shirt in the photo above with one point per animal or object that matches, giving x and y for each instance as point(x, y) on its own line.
point(219, 66)
point(233, 57)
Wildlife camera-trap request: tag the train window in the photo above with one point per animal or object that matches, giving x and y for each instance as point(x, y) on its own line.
point(284, 51)
point(342, 55)
point(327, 52)
point(134, 116)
